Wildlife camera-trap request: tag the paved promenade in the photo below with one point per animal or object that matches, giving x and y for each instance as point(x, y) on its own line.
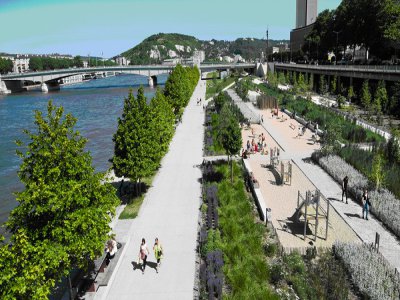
point(300, 149)
point(170, 212)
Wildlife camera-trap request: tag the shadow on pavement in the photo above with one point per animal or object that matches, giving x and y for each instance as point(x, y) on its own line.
point(149, 264)
point(353, 215)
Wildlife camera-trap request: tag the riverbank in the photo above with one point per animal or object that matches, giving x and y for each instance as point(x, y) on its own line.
point(96, 104)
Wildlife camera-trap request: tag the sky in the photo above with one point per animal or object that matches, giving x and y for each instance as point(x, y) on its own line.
point(107, 28)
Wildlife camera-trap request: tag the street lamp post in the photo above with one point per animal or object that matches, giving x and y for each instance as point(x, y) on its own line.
point(337, 43)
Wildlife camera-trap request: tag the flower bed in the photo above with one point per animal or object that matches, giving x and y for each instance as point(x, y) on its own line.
point(384, 206)
point(231, 248)
point(369, 271)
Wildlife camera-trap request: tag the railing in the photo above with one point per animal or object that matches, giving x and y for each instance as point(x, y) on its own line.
point(356, 68)
point(119, 68)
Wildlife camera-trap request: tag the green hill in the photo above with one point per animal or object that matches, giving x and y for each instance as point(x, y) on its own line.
point(159, 47)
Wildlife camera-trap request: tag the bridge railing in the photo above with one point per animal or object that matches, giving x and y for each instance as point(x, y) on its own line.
point(356, 68)
point(120, 68)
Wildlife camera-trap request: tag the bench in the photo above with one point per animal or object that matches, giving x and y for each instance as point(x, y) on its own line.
point(315, 139)
point(292, 126)
point(102, 272)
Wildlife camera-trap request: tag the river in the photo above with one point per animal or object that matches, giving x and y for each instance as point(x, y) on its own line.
point(96, 104)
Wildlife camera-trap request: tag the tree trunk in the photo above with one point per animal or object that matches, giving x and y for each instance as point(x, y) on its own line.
point(231, 171)
point(136, 188)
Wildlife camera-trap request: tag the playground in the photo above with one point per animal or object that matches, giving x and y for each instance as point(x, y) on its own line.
point(300, 214)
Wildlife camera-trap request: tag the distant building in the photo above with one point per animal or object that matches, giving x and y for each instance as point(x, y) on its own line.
point(85, 63)
point(171, 61)
point(306, 12)
point(238, 58)
point(275, 50)
point(297, 37)
point(20, 62)
point(283, 47)
point(122, 61)
point(227, 59)
point(199, 55)
point(306, 15)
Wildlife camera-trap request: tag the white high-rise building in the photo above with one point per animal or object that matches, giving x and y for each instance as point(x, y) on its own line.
point(306, 12)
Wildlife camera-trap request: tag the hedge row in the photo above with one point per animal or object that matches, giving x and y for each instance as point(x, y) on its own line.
point(384, 206)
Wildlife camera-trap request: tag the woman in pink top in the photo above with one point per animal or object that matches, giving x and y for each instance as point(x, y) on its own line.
point(143, 252)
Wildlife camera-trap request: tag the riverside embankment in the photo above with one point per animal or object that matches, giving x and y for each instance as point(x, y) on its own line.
point(96, 104)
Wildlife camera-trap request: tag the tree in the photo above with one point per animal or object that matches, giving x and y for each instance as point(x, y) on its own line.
point(311, 82)
point(331, 137)
point(179, 87)
point(322, 85)
point(6, 65)
point(350, 94)
point(162, 124)
point(381, 97)
point(366, 96)
point(340, 100)
point(394, 103)
point(281, 78)
point(377, 174)
point(230, 134)
point(133, 142)
point(64, 211)
point(35, 64)
point(78, 62)
point(393, 147)
point(334, 85)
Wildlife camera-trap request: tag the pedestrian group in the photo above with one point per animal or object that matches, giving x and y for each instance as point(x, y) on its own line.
point(144, 252)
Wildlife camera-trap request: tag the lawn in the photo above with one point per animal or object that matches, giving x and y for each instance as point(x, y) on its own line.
point(132, 208)
point(217, 85)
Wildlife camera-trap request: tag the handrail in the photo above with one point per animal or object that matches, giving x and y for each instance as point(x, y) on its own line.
point(117, 68)
point(357, 68)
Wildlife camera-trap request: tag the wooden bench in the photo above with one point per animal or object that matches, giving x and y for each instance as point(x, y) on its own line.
point(292, 126)
point(102, 272)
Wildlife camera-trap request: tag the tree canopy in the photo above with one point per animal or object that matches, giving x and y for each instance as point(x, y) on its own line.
point(6, 65)
point(64, 211)
point(145, 130)
point(372, 24)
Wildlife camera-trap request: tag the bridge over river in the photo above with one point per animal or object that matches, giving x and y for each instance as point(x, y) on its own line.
point(51, 79)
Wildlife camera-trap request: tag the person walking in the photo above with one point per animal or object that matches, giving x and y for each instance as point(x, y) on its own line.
point(365, 204)
point(143, 252)
point(158, 253)
point(344, 187)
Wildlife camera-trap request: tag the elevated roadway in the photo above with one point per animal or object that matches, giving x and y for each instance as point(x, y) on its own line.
point(387, 73)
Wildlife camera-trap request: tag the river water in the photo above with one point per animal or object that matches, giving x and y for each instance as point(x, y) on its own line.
point(96, 104)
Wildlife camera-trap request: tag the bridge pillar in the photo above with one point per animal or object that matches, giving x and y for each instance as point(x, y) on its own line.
point(150, 81)
point(50, 86)
point(44, 87)
point(3, 88)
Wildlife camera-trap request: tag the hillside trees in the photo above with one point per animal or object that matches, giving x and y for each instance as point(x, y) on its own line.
point(64, 211)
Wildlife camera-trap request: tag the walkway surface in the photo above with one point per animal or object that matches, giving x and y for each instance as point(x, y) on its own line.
point(300, 149)
point(170, 212)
